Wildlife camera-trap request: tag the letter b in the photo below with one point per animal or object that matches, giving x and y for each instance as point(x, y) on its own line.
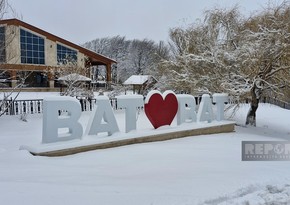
point(53, 121)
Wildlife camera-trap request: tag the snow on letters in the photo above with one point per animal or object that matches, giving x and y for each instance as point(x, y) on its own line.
point(64, 127)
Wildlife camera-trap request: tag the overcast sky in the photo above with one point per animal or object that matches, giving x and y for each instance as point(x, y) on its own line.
point(80, 21)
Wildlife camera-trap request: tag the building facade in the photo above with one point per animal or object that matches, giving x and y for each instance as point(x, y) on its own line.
point(25, 48)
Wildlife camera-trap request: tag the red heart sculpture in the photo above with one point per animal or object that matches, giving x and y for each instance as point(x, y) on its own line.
point(159, 109)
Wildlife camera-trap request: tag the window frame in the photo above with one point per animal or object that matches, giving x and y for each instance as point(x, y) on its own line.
point(30, 44)
point(64, 53)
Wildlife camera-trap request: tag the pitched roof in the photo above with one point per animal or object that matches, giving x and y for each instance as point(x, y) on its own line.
point(95, 58)
point(137, 79)
point(74, 77)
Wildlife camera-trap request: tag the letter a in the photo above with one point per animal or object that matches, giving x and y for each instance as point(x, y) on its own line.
point(103, 119)
point(205, 112)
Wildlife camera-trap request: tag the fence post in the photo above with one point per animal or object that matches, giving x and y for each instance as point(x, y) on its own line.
point(16, 108)
point(11, 108)
point(24, 107)
point(90, 104)
point(82, 104)
point(38, 106)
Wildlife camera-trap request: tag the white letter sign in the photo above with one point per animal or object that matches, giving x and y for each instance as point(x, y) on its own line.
point(205, 112)
point(61, 114)
point(53, 121)
point(186, 108)
point(103, 118)
point(220, 99)
point(130, 103)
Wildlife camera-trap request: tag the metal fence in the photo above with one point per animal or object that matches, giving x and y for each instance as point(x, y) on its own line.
point(89, 104)
point(18, 107)
point(280, 103)
point(273, 101)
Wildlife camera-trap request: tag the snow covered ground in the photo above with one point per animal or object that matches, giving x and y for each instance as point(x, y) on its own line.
point(195, 170)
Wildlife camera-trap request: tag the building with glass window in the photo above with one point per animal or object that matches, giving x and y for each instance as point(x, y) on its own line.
point(26, 48)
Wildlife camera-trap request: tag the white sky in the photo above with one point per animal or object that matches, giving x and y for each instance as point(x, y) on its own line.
point(80, 21)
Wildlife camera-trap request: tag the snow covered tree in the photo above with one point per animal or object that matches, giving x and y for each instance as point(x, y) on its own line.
point(141, 55)
point(246, 58)
point(116, 48)
point(202, 54)
point(15, 79)
point(133, 56)
point(73, 78)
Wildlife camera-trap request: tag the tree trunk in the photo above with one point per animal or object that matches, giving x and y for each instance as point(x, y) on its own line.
point(251, 116)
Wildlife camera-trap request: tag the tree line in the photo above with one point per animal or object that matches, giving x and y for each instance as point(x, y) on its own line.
point(246, 57)
point(134, 57)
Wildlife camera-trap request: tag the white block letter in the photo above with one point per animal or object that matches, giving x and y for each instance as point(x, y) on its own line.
point(102, 118)
point(53, 121)
point(205, 112)
point(130, 103)
point(220, 99)
point(186, 108)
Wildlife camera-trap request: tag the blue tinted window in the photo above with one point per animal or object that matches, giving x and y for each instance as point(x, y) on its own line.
point(23, 53)
point(35, 54)
point(32, 48)
point(22, 32)
point(2, 45)
point(41, 47)
point(29, 53)
point(23, 39)
point(29, 47)
point(35, 61)
point(29, 60)
point(22, 45)
point(29, 40)
point(41, 55)
point(65, 54)
point(35, 41)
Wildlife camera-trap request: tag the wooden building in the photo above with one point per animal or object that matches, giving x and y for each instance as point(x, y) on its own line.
point(140, 83)
point(24, 47)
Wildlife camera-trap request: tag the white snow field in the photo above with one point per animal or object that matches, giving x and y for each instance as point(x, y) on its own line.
point(203, 169)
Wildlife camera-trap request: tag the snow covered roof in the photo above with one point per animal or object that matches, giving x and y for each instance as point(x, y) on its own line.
point(99, 81)
point(74, 77)
point(137, 79)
